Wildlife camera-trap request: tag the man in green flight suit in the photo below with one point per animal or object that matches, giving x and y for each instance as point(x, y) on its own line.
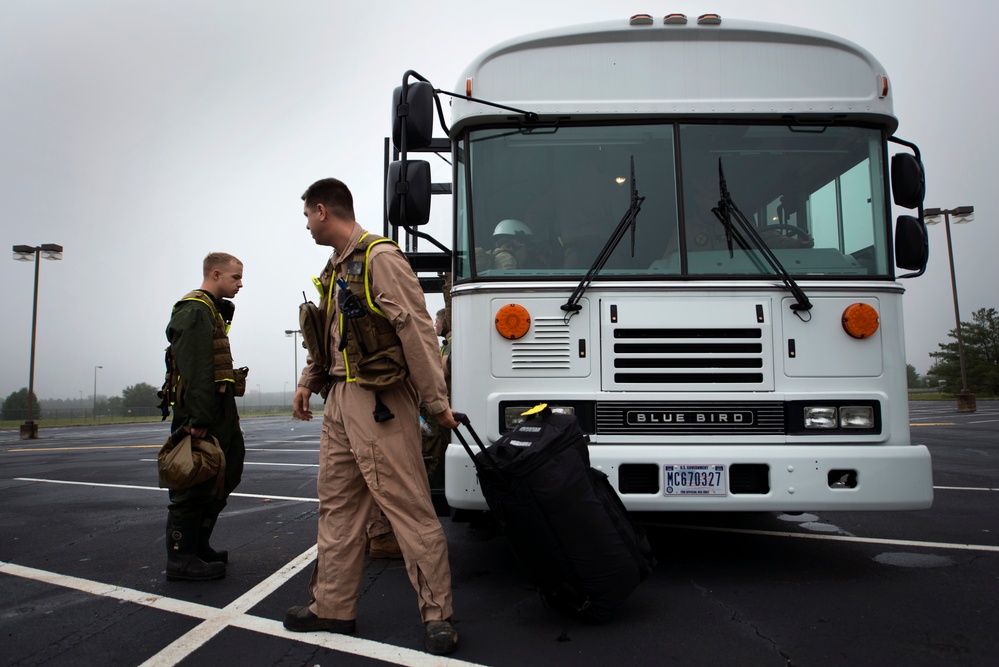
point(206, 390)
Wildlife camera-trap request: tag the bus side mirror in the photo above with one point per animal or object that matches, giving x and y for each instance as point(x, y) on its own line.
point(908, 182)
point(912, 248)
point(416, 116)
point(408, 201)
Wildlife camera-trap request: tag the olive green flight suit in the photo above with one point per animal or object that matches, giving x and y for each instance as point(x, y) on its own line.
point(190, 332)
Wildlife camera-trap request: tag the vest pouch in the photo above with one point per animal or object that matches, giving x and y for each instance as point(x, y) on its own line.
point(380, 370)
point(375, 358)
point(239, 385)
point(312, 324)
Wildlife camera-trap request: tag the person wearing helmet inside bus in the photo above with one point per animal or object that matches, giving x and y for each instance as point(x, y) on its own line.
point(706, 232)
point(513, 246)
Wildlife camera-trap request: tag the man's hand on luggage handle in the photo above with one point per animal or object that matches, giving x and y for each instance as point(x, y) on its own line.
point(447, 418)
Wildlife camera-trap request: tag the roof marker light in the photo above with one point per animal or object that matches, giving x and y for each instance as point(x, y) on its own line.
point(468, 87)
point(882, 86)
point(860, 320)
point(641, 19)
point(675, 19)
point(709, 19)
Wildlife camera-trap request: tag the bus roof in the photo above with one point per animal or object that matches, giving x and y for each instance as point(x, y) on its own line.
point(736, 68)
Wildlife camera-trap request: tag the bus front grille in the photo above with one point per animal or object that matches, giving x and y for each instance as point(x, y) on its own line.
point(690, 418)
point(675, 359)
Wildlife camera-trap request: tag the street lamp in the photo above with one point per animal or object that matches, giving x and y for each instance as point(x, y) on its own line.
point(28, 253)
point(294, 334)
point(962, 214)
point(95, 391)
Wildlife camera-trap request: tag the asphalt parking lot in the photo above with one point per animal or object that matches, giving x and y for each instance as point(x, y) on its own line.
point(82, 570)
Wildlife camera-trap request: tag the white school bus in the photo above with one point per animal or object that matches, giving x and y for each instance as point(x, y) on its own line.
point(680, 230)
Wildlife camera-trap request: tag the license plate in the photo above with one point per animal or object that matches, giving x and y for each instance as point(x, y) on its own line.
point(694, 480)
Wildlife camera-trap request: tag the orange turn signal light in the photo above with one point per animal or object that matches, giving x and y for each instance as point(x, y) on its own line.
point(513, 321)
point(860, 320)
point(882, 86)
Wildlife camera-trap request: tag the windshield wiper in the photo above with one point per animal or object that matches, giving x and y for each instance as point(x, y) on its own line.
point(571, 307)
point(726, 211)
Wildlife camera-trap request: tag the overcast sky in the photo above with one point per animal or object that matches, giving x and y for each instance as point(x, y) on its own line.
point(142, 135)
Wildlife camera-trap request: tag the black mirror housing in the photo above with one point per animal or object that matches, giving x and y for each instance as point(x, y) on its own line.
point(417, 116)
point(912, 248)
point(908, 182)
point(408, 202)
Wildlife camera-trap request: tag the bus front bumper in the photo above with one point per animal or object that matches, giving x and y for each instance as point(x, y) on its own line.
point(733, 478)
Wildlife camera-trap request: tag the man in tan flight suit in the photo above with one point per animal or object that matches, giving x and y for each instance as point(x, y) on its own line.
point(364, 461)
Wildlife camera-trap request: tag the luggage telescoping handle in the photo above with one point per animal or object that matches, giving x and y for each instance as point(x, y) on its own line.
point(463, 419)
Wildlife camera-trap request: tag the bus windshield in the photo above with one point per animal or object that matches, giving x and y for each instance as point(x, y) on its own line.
point(541, 202)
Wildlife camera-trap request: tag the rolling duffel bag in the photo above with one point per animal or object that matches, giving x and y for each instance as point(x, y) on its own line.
point(567, 526)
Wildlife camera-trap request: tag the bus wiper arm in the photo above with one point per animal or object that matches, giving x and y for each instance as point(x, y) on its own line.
point(726, 211)
point(571, 307)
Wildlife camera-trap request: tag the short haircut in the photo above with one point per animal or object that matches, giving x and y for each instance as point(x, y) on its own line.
point(441, 313)
point(332, 194)
point(218, 260)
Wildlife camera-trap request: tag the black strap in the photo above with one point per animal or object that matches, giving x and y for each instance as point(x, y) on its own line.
point(463, 419)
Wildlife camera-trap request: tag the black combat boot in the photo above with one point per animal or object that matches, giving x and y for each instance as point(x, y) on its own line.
point(183, 563)
point(205, 551)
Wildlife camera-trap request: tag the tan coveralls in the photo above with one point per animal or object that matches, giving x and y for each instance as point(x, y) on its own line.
point(364, 462)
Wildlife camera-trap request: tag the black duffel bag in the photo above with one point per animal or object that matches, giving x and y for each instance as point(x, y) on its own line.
point(567, 526)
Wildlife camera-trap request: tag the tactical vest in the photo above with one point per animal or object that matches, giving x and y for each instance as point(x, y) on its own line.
point(224, 371)
point(225, 374)
point(372, 354)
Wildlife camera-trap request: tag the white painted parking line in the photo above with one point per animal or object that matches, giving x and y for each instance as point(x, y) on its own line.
point(293, 465)
point(258, 463)
point(234, 615)
point(188, 643)
point(963, 488)
point(171, 605)
point(837, 538)
point(283, 451)
point(155, 488)
point(99, 484)
point(296, 441)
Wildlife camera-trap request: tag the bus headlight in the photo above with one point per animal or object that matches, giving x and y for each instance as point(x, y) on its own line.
point(513, 415)
point(820, 417)
point(856, 416)
point(823, 417)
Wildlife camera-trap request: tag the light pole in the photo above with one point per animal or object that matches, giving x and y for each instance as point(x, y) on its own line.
point(294, 334)
point(95, 391)
point(962, 214)
point(28, 253)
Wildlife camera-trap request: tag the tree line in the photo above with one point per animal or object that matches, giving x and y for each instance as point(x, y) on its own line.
point(136, 396)
point(980, 337)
